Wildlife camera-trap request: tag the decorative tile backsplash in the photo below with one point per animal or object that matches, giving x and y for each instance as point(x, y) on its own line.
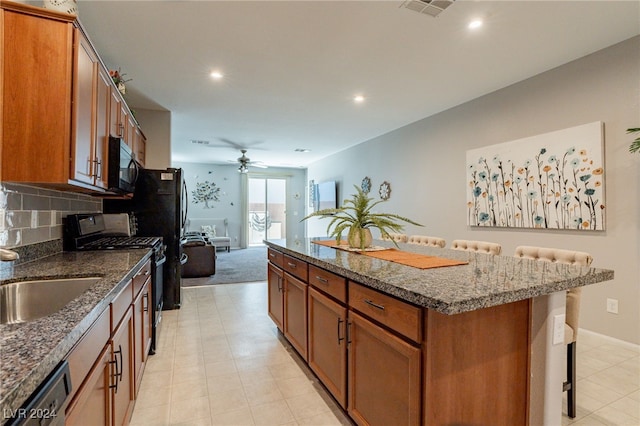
point(30, 215)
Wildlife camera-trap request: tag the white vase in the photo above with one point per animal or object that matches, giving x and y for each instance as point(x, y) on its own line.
point(66, 6)
point(356, 235)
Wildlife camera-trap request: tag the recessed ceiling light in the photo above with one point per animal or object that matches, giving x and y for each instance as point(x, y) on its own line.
point(476, 23)
point(358, 99)
point(216, 75)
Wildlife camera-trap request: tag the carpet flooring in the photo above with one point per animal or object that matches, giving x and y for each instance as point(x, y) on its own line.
point(237, 266)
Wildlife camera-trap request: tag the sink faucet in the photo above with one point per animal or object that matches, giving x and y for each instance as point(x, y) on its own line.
point(8, 255)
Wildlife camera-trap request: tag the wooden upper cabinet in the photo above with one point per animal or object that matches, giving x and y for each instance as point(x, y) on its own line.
point(36, 96)
point(103, 104)
point(140, 147)
point(131, 131)
point(58, 104)
point(86, 73)
point(116, 127)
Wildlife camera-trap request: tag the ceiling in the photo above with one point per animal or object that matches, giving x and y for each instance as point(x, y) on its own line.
point(292, 68)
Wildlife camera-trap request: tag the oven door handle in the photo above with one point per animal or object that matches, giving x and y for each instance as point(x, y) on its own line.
point(161, 260)
point(184, 258)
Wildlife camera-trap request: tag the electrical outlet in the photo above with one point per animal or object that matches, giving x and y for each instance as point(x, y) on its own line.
point(53, 218)
point(558, 329)
point(34, 218)
point(612, 306)
point(2, 214)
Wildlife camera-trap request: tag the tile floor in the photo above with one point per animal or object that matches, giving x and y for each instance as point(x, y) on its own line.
point(608, 388)
point(220, 361)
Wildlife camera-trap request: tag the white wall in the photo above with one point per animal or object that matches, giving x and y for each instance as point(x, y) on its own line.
point(230, 206)
point(425, 164)
point(156, 126)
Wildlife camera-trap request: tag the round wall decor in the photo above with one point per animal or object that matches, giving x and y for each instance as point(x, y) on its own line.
point(385, 190)
point(366, 185)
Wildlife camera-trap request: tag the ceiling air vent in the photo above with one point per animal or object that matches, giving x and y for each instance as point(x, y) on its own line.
point(428, 7)
point(200, 142)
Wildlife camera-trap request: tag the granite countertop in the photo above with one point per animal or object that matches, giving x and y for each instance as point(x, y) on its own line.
point(487, 280)
point(29, 351)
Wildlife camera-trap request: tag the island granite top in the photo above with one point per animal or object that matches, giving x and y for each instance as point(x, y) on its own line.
point(487, 280)
point(29, 351)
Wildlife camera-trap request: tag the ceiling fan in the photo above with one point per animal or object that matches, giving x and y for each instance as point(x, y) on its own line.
point(245, 162)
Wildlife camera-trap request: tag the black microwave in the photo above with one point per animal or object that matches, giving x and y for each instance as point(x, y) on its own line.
point(122, 168)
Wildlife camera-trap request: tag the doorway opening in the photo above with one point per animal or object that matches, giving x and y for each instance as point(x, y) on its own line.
point(266, 209)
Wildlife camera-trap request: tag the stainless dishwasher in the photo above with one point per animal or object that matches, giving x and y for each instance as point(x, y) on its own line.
point(45, 406)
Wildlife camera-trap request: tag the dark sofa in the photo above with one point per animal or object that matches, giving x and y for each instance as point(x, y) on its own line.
point(201, 260)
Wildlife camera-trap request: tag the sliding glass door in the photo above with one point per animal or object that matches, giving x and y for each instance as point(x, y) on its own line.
point(266, 209)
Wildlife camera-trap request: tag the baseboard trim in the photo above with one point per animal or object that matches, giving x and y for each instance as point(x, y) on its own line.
point(609, 338)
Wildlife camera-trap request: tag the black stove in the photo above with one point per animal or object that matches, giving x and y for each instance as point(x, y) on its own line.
point(86, 231)
point(120, 242)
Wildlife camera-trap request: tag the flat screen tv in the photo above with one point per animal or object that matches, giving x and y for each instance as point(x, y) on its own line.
point(325, 196)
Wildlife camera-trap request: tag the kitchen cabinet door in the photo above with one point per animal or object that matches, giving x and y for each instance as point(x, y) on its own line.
point(101, 148)
point(276, 295)
point(295, 313)
point(131, 131)
point(92, 403)
point(116, 126)
point(142, 325)
point(122, 370)
point(327, 344)
point(384, 376)
point(140, 144)
point(37, 60)
point(86, 69)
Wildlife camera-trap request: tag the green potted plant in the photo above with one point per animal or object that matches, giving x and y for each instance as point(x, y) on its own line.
point(356, 218)
point(635, 145)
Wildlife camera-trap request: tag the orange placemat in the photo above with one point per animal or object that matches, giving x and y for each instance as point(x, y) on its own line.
point(329, 243)
point(415, 260)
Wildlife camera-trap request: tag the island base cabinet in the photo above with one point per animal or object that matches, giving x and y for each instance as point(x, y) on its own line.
point(276, 296)
point(384, 376)
point(476, 366)
point(327, 344)
point(295, 313)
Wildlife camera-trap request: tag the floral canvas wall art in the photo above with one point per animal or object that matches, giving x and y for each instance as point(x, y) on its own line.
point(549, 181)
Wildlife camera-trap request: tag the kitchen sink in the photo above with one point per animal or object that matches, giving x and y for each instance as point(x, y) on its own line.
point(28, 300)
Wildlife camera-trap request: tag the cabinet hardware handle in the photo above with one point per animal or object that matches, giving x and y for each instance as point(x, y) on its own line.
point(340, 321)
point(115, 361)
point(98, 169)
point(280, 284)
point(349, 332)
point(118, 373)
point(322, 280)
point(121, 363)
point(293, 265)
point(272, 255)
point(145, 301)
point(375, 305)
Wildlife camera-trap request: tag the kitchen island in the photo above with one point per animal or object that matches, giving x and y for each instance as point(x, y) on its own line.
point(466, 344)
point(29, 351)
